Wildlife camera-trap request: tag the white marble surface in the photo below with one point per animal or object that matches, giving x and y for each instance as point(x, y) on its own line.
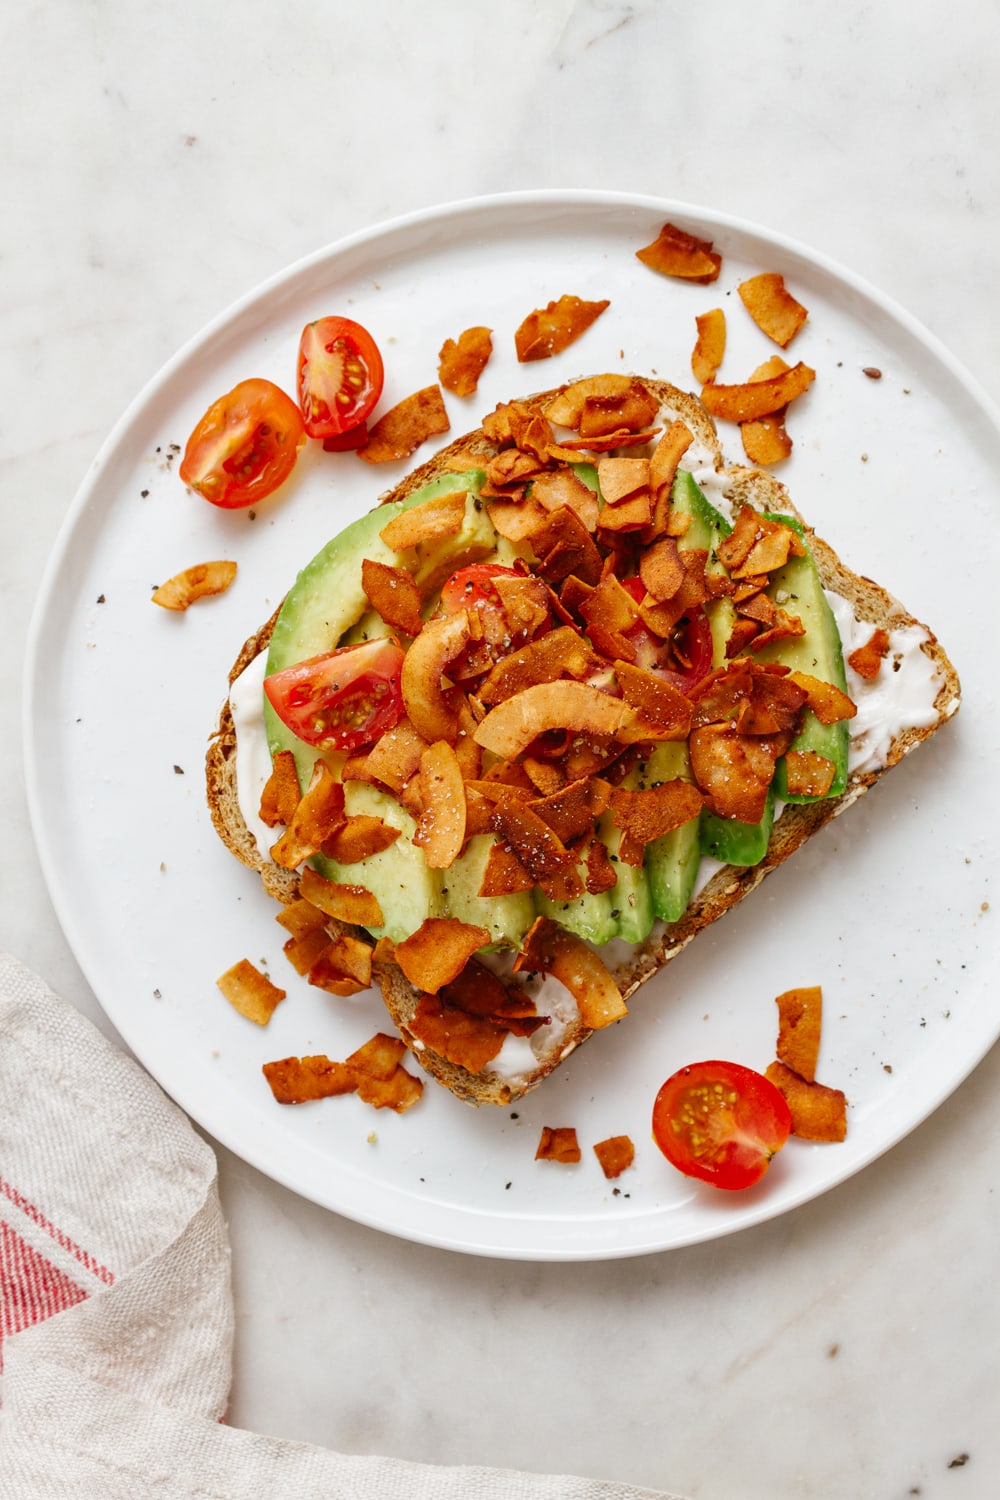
point(158, 162)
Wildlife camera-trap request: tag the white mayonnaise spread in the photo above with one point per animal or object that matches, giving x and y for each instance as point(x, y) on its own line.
point(253, 759)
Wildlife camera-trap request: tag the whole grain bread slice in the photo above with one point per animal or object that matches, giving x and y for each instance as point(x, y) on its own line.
point(870, 603)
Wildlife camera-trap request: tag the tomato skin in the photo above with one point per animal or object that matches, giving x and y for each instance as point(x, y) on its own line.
point(686, 659)
point(341, 700)
point(245, 445)
point(720, 1122)
point(340, 376)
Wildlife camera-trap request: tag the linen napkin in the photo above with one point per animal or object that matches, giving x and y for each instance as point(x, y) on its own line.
point(116, 1314)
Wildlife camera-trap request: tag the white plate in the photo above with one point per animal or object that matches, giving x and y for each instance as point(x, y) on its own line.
point(884, 909)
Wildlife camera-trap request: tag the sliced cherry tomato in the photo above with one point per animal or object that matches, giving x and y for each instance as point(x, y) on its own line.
point(341, 700)
point(472, 588)
point(720, 1122)
point(245, 445)
point(339, 376)
point(686, 658)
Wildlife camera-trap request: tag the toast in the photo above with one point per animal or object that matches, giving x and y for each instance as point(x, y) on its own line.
point(733, 486)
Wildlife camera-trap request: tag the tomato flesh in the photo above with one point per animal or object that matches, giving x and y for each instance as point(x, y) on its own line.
point(720, 1122)
point(684, 659)
point(472, 588)
point(342, 700)
point(340, 376)
point(245, 445)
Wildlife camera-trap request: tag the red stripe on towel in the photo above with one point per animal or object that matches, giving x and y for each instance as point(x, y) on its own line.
point(63, 1240)
point(31, 1288)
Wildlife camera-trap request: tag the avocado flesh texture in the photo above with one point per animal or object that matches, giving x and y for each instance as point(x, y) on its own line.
point(326, 604)
point(797, 587)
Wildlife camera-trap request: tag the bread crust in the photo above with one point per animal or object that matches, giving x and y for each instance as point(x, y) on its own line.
point(727, 887)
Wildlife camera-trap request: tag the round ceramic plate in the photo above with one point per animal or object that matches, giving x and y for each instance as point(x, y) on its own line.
point(884, 909)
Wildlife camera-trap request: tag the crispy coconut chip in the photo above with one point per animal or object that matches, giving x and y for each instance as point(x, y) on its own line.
point(281, 793)
point(818, 1113)
point(648, 814)
point(517, 520)
point(757, 398)
point(550, 949)
point(766, 441)
point(572, 811)
point(441, 830)
point(867, 659)
point(250, 992)
point(562, 487)
point(631, 410)
point(551, 329)
point(566, 407)
point(359, 837)
point(373, 1072)
point(348, 903)
point(674, 252)
point(402, 429)
point(395, 757)
point(393, 593)
point(661, 706)
point(710, 345)
point(320, 812)
point(601, 873)
point(808, 774)
point(757, 546)
point(800, 1022)
point(558, 1143)
point(430, 710)
point(609, 612)
point(303, 951)
point(621, 478)
point(538, 848)
point(661, 569)
point(197, 582)
point(300, 917)
point(462, 361)
point(437, 952)
point(772, 307)
point(632, 514)
point(734, 770)
point(504, 874)
point(615, 1155)
point(827, 702)
point(344, 967)
point(563, 545)
point(468, 1041)
point(434, 519)
point(667, 454)
point(510, 728)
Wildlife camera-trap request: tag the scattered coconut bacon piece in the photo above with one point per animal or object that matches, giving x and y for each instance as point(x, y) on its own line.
point(757, 398)
point(772, 307)
point(674, 252)
point(710, 345)
point(549, 330)
point(558, 1143)
point(373, 1072)
point(462, 361)
point(800, 1022)
point(867, 659)
point(250, 992)
point(616, 1155)
point(200, 581)
point(818, 1113)
point(402, 429)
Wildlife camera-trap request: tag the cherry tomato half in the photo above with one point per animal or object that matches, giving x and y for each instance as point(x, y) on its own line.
point(686, 658)
point(245, 445)
point(341, 700)
point(472, 588)
point(720, 1122)
point(339, 376)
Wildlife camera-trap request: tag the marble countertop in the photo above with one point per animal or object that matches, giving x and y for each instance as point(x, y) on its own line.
point(159, 163)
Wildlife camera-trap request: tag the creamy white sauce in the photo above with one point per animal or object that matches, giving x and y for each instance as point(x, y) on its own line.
point(253, 759)
point(900, 697)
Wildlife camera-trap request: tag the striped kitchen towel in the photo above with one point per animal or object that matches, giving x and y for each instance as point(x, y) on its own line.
point(116, 1313)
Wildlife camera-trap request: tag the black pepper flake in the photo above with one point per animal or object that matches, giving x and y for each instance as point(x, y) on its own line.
point(959, 1462)
point(178, 770)
point(872, 371)
point(101, 599)
point(144, 494)
point(157, 995)
point(506, 1186)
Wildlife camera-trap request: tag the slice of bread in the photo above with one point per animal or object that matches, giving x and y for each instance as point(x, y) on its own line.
point(630, 965)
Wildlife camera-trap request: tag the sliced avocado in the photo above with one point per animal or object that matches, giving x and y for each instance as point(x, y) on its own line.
point(588, 915)
point(398, 877)
point(507, 917)
point(327, 600)
point(672, 861)
point(797, 588)
point(631, 902)
point(736, 843)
